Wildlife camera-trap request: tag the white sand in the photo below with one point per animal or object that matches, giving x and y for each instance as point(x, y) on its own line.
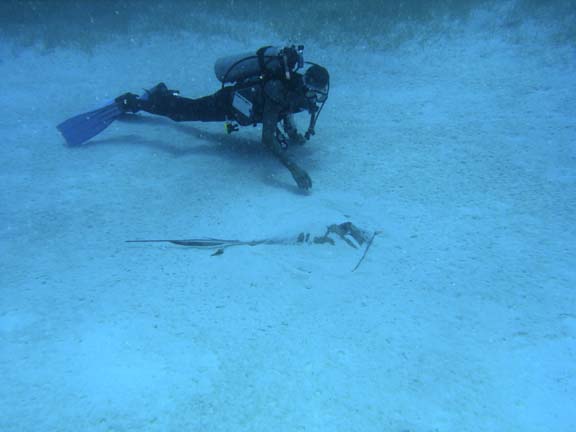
point(462, 317)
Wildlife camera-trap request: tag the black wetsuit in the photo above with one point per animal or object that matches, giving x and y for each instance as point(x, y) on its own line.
point(288, 96)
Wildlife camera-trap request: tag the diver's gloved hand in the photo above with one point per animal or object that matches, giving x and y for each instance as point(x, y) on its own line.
point(129, 102)
point(301, 177)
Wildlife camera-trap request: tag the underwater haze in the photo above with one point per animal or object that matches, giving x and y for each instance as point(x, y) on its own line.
point(448, 138)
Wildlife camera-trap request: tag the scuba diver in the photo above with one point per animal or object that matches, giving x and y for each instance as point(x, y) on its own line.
point(266, 89)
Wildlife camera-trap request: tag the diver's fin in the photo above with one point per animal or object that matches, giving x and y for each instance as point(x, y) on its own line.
point(83, 127)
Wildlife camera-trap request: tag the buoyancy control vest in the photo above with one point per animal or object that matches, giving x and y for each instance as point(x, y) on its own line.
point(248, 104)
point(248, 73)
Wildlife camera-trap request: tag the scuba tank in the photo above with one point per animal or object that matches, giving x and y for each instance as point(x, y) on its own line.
point(268, 61)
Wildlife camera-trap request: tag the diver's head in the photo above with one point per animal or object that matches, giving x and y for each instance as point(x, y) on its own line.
point(317, 83)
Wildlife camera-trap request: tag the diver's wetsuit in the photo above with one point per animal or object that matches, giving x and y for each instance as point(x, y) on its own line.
point(274, 101)
point(216, 107)
point(288, 96)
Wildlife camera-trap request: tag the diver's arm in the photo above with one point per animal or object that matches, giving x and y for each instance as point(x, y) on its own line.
point(269, 121)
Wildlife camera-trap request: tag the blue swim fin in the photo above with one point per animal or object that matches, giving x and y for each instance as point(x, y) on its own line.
point(83, 127)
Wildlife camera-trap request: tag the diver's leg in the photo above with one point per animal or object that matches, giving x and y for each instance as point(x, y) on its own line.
point(164, 102)
point(215, 107)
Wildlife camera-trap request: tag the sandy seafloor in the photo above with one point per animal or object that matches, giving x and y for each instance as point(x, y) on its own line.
point(460, 149)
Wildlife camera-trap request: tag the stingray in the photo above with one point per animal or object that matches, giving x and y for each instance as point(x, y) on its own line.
point(347, 231)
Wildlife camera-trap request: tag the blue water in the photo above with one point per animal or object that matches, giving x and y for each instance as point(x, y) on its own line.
point(449, 129)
